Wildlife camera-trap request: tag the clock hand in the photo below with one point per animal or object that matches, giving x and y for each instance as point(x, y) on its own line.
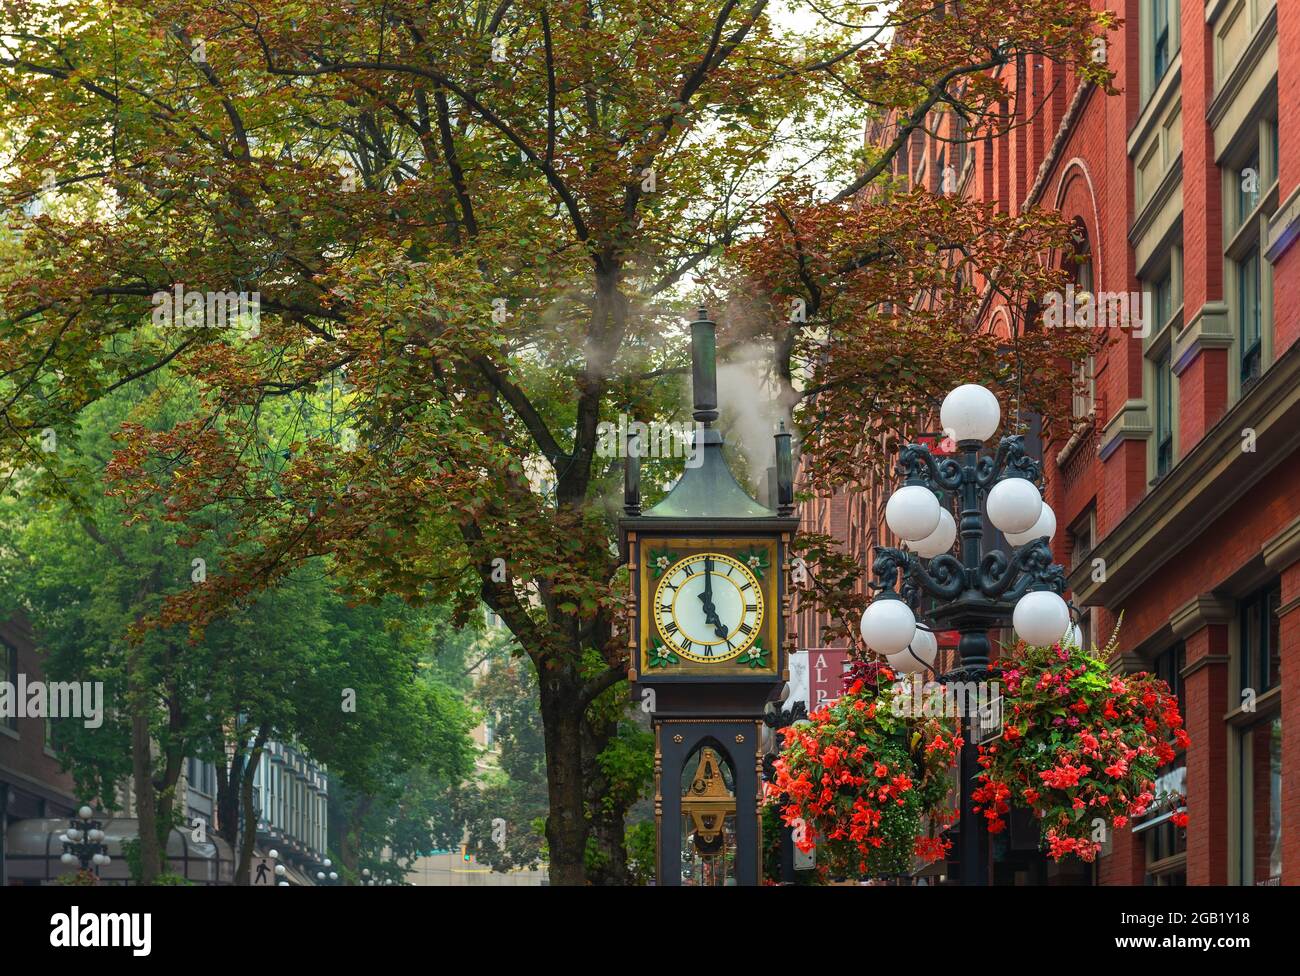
point(706, 597)
point(710, 611)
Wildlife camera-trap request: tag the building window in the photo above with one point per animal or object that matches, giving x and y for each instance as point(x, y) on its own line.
point(1260, 812)
point(1162, 299)
point(1166, 856)
point(1248, 295)
point(1162, 304)
point(1160, 40)
point(1249, 180)
point(1249, 202)
point(1164, 414)
point(1169, 668)
point(9, 673)
point(1079, 266)
point(1261, 644)
point(1081, 539)
point(1166, 842)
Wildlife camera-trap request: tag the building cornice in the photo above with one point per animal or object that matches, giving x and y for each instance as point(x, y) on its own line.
point(1283, 549)
point(1199, 612)
point(1209, 328)
point(1212, 477)
point(1283, 227)
point(1132, 422)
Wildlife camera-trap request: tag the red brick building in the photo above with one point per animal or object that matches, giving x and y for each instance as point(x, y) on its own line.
point(32, 782)
point(1177, 492)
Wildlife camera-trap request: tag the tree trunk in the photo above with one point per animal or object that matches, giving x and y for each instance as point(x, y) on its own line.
point(248, 835)
point(350, 841)
point(228, 787)
point(146, 808)
point(566, 824)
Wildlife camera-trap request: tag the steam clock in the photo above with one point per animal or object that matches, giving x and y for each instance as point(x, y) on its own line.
point(708, 569)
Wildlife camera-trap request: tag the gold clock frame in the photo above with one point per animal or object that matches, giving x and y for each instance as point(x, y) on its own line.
point(731, 655)
point(730, 546)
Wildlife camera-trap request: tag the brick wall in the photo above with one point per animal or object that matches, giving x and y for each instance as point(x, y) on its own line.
point(24, 763)
point(1290, 637)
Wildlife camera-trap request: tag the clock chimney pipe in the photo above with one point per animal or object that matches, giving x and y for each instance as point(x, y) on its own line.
point(704, 368)
point(784, 473)
point(632, 477)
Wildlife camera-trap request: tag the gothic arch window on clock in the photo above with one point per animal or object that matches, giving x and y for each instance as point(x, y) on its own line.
point(708, 788)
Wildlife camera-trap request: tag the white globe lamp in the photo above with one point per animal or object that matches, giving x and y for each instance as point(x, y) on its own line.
point(1014, 505)
point(1073, 637)
point(888, 625)
point(918, 656)
point(970, 413)
point(1045, 526)
point(912, 512)
point(85, 813)
point(1041, 618)
point(940, 540)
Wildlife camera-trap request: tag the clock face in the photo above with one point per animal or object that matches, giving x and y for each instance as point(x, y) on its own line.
point(708, 607)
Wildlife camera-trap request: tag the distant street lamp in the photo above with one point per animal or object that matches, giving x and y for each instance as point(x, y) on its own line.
point(976, 592)
point(280, 870)
point(84, 841)
point(327, 876)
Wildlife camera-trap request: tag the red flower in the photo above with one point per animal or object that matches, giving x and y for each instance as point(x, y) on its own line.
point(1179, 819)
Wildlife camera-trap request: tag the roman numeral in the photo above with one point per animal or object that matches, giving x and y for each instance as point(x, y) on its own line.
point(746, 629)
point(747, 585)
point(751, 608)
point(670, 628)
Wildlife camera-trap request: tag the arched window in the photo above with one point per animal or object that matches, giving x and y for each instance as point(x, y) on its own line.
point(1078, 265)
point(708, 788)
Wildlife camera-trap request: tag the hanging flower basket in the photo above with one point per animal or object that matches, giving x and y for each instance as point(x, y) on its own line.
point(1079, 747)
point(868, 787)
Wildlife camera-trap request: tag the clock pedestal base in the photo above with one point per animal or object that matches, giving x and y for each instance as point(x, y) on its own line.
point(682, 766)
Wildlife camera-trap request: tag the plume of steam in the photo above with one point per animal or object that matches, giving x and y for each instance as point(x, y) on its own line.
point(750, 401)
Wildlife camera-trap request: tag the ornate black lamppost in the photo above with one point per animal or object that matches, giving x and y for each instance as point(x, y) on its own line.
point(83, 841)
point(976, 589)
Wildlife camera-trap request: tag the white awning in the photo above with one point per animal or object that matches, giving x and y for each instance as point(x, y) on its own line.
point(33, 851)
